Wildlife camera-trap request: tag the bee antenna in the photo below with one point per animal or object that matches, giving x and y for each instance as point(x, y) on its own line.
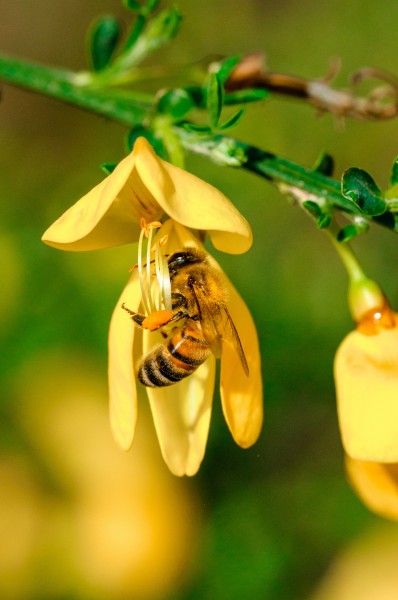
point(131, 312)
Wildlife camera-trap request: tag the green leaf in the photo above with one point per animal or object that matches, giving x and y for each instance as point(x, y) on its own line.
point(324, 221)
point(145, 8)
point(152, 5)
point(358, 186)
point(324, 164)
point(226, 67)
point(104, 36)
point(140, 131)
point(394, 173)
point(135, 32)
point(198, 96)
point(133, 134)
point(197, 93)
point(176, 103)
point(173, 147)
point(197, 128)
point(215, 98)
point(108, 167)
point(313, 208)
point(148, 36)
point(245, 96)
point(132, 5)
point(164, 27)
point(347, 232)
point(233, 119)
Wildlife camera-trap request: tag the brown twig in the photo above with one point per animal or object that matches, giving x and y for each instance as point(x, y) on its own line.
point(380, 103)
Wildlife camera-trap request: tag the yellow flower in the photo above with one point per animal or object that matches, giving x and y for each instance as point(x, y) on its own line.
point(376, 483)
point(144, 186)
point(182, 411)
point(366, 376)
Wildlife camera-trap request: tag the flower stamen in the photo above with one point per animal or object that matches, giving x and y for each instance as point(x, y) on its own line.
point(148, 269)
point(140, 271)
point(163, 275)
point(161, 267)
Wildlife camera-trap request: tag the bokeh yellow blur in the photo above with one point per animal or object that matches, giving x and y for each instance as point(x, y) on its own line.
point(78, 516)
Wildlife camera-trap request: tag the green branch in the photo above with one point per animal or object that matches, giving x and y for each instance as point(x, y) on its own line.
point(132, 109)
point(126, 108)
point(292, 177)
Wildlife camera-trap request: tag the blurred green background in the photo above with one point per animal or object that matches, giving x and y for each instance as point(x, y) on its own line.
point(79, 520)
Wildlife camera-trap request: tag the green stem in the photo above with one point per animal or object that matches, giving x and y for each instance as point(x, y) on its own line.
point(274, 168)
point(231, 152)
point(152, 73)
point(349, 260)
point(67, 86)
point(131, 109)
point(364, 295)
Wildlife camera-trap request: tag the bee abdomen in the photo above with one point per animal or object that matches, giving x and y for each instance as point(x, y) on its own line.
point(169, 364)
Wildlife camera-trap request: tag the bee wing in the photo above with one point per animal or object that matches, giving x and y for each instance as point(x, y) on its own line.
point(209, 325)
point(231, 334)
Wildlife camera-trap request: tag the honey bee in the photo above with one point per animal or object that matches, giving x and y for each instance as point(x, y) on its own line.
point(198, 323)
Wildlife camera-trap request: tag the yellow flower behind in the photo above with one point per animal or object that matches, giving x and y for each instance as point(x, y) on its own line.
point(143, 186)
point(366, 376)
point(376, 483)
point(366, 373)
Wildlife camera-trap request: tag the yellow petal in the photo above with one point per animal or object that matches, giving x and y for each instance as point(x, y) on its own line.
point(376, 484)
point(181, 414)
point(366, 376)
point(110, 214)
point(194, 203)
point(178, 237)
point(122, 387)
point(145, 186)
point(242, 395)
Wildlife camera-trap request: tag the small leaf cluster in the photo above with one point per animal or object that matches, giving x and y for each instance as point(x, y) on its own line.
point(114, 59)
point(359, 187)
point(213, 97)
point(366, 202)
point(110, 57)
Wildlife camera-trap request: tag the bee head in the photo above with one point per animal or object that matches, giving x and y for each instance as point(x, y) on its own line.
point(183, 258)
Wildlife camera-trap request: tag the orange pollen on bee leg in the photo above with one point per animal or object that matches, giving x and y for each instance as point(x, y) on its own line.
point(157, 319)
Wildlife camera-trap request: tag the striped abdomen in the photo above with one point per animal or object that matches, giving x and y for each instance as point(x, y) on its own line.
point(177, 358)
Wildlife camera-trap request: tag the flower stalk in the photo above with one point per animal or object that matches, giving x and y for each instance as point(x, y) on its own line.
point(364, 295)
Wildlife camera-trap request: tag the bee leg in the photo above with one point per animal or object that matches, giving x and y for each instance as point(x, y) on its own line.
point(177, 316)
point(136, 317)
point(155, 320)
